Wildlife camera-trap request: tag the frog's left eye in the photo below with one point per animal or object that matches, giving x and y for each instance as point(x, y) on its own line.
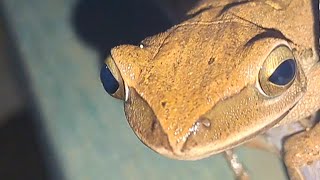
point(111, 79)
point(278, 71)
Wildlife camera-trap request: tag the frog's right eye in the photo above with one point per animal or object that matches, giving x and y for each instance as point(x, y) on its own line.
point(111, 79)
point(278, 71)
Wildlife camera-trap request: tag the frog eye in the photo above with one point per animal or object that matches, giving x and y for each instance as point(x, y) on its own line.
point(278, 71)
point(111, 79)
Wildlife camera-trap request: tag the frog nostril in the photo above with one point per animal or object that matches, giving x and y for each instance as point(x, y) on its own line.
point(205, 121)
point(109, 82)
point(163, 104)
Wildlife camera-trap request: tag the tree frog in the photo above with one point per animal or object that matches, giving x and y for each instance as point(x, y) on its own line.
point(232, 70)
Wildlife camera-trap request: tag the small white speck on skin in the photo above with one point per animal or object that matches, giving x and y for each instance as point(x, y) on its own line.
point(194, 128)
point(126, 92)
point(132, 76)
point(129, 67)
point(141, 46)
point(209, 99)
point(177, 131)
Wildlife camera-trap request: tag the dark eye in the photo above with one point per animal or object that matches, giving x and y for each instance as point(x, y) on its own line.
point(284, 73)
point(109, 82)
point(111, 79)
point(278, 71)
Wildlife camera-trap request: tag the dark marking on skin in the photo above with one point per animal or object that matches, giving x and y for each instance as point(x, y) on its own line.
point(231, 5)
point(194, 144)
point(211, 60)
point(163, 103)
point(268, 33)
point(154, 125)
point(190, 16)
point(294, 50)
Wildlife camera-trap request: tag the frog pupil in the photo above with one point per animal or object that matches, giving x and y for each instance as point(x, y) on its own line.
point(284, 73)
point(109, 83)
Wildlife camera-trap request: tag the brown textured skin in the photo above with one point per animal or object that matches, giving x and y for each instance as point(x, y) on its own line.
point(193, 89)
point(300, 150)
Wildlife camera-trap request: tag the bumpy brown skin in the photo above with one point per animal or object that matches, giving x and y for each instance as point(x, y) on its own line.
point(300, 150)
point(193, 89)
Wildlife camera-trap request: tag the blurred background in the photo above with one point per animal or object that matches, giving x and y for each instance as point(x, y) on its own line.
point(56, 121)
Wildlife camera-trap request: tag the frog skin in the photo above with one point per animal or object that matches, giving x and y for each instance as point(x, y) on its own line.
point(229, 72)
